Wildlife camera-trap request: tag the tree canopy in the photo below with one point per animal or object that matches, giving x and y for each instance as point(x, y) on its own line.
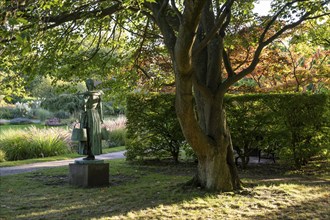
point(72, 39)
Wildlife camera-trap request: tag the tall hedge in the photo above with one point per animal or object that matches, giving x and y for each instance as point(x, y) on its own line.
point(152, 127)
point(251, 124)
point(306, 122)
point(294, 126)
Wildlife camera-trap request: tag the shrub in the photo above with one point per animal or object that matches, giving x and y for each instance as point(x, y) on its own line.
point(61, 114)
point(34, 142)
point(152, 127)
point(2, 156)
point(42, 114)
point(115, 131)
point(250, 122)
point(7, 112)
point(71, 103)
point(117, 138)
point(53, 122)
point(296, 126)
point(306, 121)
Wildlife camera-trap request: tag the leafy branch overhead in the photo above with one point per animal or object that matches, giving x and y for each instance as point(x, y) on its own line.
point(61, 26)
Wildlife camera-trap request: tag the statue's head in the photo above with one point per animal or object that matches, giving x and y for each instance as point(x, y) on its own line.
point(90, 84)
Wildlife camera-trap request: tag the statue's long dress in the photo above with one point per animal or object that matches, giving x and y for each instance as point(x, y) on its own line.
point(92, 122)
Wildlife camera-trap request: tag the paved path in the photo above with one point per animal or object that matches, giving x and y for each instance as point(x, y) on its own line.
point(4, 171)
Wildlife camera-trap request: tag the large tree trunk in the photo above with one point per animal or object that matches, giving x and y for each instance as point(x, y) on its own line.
point(196, 50)
point(210, 139)
point(216, 169)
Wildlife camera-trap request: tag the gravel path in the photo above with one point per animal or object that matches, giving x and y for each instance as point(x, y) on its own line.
point(4, 171)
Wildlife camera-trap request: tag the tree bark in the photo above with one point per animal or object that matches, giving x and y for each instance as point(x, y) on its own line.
point(209, 137)
point(199, 100)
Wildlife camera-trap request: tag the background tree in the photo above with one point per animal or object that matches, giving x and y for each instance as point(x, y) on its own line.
point(74, 36)
point(297, 61)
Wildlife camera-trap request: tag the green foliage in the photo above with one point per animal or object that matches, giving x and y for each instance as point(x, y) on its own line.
point(7, 112)
point(33, 143)
point(2, 156)
point(42, 114)
point(29, 109)
point(152, 127)
point(66, 102)
point(109, 109)
point(11, 86)
point(61, 114)
point(117, 138)
point(250, 124)
point(306, 121)
point(294, 126)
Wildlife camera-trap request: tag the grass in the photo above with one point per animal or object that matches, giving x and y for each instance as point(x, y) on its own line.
point(113, 149)
point(16, 129)
point(55, 158)
point(155, 191)
point(33, 142)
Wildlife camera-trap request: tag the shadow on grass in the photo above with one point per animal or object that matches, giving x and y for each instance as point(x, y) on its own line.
point(276, 174)
point(305, 210)
point(47, 194)
point(136, 188)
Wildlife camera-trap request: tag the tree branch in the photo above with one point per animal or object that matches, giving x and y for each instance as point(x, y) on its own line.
point(176, 10)
point(206, 92)
point(158, 11)
point(137, 53)
point(219, 24)
point(187, 35)
point(246, 58)
point(274, 18)
point(227, 64)
point(63, 18)
point(262, 44)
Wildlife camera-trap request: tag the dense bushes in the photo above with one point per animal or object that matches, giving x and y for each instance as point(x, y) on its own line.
point(33, 143)
point(295, 126)
point(71, 103)
point(251, 123)
point(7, 112)
point(152, 127)
point(306, 122)
point(30, 109)
point(115, 131)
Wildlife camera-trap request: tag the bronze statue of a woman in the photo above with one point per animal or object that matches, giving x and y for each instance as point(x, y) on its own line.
point(91, 119)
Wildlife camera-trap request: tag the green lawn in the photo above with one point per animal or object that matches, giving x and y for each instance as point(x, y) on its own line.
point(156, 191)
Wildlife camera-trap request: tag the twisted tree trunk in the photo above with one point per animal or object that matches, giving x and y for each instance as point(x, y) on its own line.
point(207, 133)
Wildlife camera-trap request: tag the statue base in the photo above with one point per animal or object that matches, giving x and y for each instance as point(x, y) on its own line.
point(89, 173)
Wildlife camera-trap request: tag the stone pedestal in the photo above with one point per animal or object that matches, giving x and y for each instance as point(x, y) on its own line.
point(92, 173)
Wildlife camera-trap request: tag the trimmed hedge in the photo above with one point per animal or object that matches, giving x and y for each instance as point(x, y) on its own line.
point(153, 130)
point(294, 126)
